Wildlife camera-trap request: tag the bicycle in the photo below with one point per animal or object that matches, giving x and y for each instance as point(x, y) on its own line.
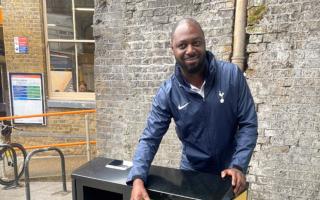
point(7, 176)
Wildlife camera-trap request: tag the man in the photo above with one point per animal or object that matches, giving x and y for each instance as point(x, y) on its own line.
point(213, 110)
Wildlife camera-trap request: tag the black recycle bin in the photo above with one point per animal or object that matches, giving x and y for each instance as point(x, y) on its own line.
point(96, 181)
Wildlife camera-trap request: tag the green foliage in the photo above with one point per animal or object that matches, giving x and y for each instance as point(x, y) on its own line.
point(255, 14)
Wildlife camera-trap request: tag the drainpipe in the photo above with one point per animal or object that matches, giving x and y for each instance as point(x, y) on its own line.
point(239, 35)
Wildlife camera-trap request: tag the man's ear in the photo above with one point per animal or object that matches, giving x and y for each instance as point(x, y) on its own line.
point(171, 46)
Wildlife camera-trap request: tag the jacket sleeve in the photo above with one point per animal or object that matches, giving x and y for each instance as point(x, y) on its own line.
point(246, 137)
point(157, 125)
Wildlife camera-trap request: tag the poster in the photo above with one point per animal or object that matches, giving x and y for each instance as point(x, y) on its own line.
point(26, 92)
point(21, 45)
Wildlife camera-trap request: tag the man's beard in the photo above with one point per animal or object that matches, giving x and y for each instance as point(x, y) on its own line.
point(192, 70)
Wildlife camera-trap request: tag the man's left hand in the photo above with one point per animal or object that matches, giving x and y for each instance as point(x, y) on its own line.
point(238, 179)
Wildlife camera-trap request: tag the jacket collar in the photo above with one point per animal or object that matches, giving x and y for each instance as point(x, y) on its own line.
point(210, 68)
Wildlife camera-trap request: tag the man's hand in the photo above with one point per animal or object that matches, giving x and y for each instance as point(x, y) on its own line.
point(139, 192)
point(238, 179)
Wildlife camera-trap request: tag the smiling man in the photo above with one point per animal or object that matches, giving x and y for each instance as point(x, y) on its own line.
point(213, 111)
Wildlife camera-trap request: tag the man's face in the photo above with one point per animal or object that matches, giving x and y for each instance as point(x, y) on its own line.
point(82, 88)
point(188, 46)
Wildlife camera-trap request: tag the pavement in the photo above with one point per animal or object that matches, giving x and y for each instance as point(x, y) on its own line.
point(39, 190)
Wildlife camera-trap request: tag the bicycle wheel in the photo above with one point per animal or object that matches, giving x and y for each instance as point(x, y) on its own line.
point(7, 163)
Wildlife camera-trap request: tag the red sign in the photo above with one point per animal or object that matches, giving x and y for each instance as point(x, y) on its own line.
point(21, 44)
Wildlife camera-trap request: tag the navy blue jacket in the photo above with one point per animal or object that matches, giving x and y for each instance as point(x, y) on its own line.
point(215, 134)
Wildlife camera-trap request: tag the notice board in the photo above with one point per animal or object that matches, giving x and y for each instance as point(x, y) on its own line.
point(26, 97)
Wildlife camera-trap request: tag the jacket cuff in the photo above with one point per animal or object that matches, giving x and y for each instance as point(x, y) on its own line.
point(238, 168)
point(130, 182)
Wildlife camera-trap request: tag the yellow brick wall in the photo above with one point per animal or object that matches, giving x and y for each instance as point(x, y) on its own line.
point(59, 129)
point(25, 18)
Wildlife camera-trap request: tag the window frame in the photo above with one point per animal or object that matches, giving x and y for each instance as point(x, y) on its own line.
point(65, 95)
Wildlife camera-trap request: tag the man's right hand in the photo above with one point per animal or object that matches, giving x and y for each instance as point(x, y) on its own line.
point(139, 192)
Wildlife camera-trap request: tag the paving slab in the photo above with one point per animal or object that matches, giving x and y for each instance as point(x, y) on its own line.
point(39, 190)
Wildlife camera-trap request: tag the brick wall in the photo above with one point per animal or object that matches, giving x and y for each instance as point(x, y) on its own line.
point(284, 72)
point(59, 129)
point(133, 57)
point(25, 18)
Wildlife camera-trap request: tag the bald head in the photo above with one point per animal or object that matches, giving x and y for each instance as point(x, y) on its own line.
point(189, 21)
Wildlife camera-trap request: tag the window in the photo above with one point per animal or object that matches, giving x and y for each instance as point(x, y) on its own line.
point(70, 48)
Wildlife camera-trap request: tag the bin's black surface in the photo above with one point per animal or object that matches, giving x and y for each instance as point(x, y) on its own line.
point(93, 181)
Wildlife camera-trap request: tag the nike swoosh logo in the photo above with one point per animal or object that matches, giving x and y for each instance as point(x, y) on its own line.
point(183, 106)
